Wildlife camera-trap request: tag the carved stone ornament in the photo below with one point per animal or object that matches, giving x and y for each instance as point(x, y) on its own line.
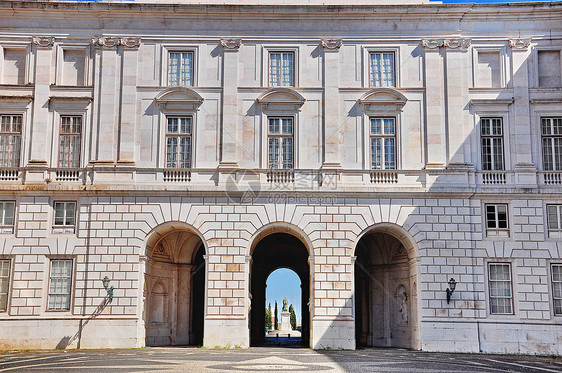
point(130, 42)
point(105, 41)
point(520, 43)
point(432, 43)
point(457, 43)
point(44, 41)
point(231, 44)
point(332, 44)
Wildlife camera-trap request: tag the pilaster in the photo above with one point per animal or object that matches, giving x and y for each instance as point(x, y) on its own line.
point(332, 129)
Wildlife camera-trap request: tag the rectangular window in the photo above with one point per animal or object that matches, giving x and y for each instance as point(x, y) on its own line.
point(14, 66)
point(69, 141)
point(557, 288)
point(73, 67)
point(4, 284)
point(281, 69)
point(60, 285)
point(554, 220)
point(10, 140)
point(500, 289)
point(381, 69)
point(496, 220)
point(280, 142)
point(552, 143)
point(65, 214)
point(549, 68)
point(7, 212)
point(180, 68)
point(492, 144)
point(489, 69)
point(178, 142)
point(383, 143)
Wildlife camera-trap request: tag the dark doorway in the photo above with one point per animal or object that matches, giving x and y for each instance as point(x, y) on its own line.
point(278, 250)
point(198, 308)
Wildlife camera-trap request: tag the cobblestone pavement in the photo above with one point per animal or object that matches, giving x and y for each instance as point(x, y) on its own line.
point(269, 359)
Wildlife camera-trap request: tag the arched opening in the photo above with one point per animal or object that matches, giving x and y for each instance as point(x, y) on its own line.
point(285, 327)
point(386, 302)
point(174, 287)
point(277, 250)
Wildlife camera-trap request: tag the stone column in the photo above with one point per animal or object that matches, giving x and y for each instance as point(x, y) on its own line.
point(106, 105)
point(435, 104)
point(332, 125)
point(520, 135)
point(40, 116)
point(126, 146)
point(457, 128)
point(229, 143)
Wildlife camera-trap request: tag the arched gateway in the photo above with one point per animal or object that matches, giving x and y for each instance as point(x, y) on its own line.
point(386, 278)
point(174, 286)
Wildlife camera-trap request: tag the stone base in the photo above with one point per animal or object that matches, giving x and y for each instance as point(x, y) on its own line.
point(226, 333)
point(333, 334)
point(286, 321)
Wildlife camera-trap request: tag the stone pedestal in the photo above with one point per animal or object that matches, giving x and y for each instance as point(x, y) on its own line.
point(286, 321)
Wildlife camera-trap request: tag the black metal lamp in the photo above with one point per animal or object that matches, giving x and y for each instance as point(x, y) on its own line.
point(451, 289)
point(107, 288)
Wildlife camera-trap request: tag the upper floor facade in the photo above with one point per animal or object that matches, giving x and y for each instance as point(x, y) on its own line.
point(353, 98)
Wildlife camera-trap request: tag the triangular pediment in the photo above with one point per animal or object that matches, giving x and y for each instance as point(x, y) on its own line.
point(179, 95)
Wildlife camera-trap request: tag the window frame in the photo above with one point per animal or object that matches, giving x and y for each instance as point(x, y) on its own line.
point(266, 50)
point(280, 136)
point(556, 232)
point(492, 137)
point(169, 134)
point(367, 50)
point(504, 64)
point(4, 228)
point(9, 281)
point(165, 63)
point(382, 53)
point(511, 288)
point(382, 136)
point(80, 135)
point(11, 134)
point(71, 281)
point(65, 228)
point(556, 166)
point(29, 60)
point(168, 70)
point(497, 232)
point(536, 64)
point(88, 64)
point(281, 70)
point(553, 297)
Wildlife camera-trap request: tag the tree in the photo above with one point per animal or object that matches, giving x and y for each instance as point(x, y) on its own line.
point(276, 317)
point(293, 317)
point(268, 317)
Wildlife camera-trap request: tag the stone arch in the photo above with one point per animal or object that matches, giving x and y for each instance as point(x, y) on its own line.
point(395, 230)
point(174, 281)
point(280, 227)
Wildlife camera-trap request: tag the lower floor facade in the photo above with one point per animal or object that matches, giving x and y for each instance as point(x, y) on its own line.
point(191, 270)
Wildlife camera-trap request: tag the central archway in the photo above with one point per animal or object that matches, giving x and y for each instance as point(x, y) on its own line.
point(274, 251)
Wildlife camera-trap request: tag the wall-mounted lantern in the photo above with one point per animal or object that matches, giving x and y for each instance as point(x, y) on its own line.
point(109, 290)
point(451, 289)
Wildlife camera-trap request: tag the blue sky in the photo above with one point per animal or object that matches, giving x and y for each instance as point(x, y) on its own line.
point(283, 283)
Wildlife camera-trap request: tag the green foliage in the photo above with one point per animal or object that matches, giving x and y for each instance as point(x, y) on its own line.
point(276, 317)
point(293, 317)
point(268, 318)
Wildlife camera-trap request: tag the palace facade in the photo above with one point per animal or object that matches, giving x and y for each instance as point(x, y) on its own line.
point(405, 160)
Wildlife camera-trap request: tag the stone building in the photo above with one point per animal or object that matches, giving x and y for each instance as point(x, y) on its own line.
point(187, 150)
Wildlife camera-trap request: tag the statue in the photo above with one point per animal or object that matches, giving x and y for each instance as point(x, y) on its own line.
point(285, 305)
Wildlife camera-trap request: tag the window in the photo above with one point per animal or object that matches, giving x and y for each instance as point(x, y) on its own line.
point(180, 68)
point(492, 144)
point(549, 68)
point(4, 282)
point(73, 67)
point(496, 220)
point(281, 69)
point(14, 66)
point(60, 285)
point(178, 142)
point(383, 143)
point(381, 69)
point(10, 141)
point(7, 210)
point(552, 143)
point(557, 288)
point(554, 220)
point(65, 214)
point(69, 141)
point(489, 70)
point(500, 289)
point(280, 142)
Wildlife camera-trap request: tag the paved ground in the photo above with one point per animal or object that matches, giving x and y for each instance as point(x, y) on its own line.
point(269, 359)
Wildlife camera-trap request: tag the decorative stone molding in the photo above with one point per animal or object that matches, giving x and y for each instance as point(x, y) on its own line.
point(382, 99)
point(457, 43)
point(231, 44)
point(178, 98)
point(130, 41)
point(105, 41)
point(331, 44)
point(432, 43)
point(281, 99)
point(44, 41)
point(520, 43)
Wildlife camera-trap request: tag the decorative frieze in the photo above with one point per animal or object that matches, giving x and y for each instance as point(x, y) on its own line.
point(231, 44)
point(457, 43)
point(331, 44)
point(44, 41)
point(520, 43)
point(130, 41)
point(432, 43)
point(105, 41)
